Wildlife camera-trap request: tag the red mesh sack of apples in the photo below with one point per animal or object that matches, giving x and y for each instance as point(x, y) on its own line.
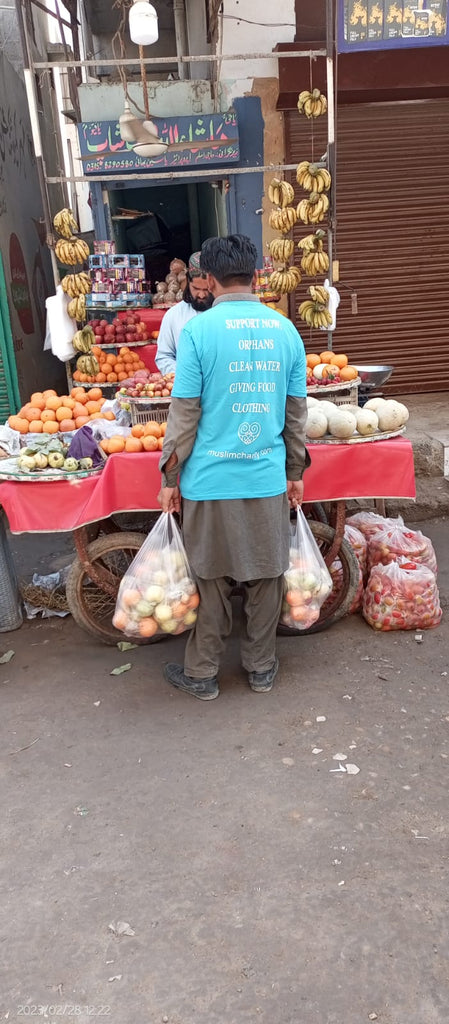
point(369, 523)
point(401, 595)
point(307, 582)
point(392, 543)
point(158, 594)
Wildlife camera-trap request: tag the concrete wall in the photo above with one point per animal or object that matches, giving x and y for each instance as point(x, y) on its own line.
point(25, 256)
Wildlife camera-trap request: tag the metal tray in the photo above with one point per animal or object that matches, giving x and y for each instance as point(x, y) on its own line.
point(9, 471)
point(381, 435)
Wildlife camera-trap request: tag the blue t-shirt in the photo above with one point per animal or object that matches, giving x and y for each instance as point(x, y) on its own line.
point(242, 359)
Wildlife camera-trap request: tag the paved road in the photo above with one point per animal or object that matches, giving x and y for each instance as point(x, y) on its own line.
point(260, 884)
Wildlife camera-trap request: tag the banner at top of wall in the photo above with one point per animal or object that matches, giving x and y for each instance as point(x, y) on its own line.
point(104, 152)
point(391, 24)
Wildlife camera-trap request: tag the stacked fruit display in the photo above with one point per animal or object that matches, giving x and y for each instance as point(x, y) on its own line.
point(50, 453)
point(328, 368)
point(49, 413)
point(112, 367)
point(344, 422)
point(144, 384)
point(143, 438)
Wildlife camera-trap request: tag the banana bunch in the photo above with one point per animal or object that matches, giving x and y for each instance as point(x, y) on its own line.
point(315, 311)
point(312, 177)
point(281, 193)
point(71, 251)
point(313, 263)
point(77, 308)
point(285, 280)
point(283, 220)
point(313, 243)
point(65, 223)
point(83, 340)
point(88, 364)
point(281, 249)
point(312, 104)
point(313, 209)
point(76, 284)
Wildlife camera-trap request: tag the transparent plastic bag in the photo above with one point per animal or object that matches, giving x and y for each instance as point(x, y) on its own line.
point(158, 594)
point(369, 523)
point(401, 595)
point(360, 548)
point(397, 541)
point(307, 582)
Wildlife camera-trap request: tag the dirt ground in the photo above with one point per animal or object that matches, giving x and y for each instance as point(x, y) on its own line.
point(260, 883)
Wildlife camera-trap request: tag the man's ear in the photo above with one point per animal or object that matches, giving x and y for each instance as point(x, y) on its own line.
point(255, 279)
point(211, 283)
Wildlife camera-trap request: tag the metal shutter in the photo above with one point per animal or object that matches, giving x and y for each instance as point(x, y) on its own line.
point(392, 238)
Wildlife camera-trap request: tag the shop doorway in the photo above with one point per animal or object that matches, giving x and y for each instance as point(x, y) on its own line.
point(167, 221)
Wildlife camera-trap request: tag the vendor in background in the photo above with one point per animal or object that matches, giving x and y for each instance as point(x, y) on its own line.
point(197, 298)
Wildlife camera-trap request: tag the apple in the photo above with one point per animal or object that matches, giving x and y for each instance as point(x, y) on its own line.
point(129, 337)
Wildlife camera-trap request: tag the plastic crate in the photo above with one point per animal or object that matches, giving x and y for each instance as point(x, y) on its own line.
point(346, 396)
point(145, 409)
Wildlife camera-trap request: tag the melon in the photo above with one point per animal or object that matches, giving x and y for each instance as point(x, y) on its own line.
point(390, 416)
point(367, 422)
point(316, 425)
point(327, 407)
point(312, 401)
point(342, 424)
point(318, 371)
point(374, 404)
point(347, 407)
point(404, 411)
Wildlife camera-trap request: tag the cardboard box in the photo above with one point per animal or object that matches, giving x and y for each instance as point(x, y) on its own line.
point(104, 247)
point(357, 21)
point(393, 19)
point(375, 19)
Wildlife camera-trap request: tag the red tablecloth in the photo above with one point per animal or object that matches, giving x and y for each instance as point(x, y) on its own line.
point(130, 483)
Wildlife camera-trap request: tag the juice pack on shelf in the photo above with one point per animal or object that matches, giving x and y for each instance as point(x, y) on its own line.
point(369, 523)
point(401, 595)
point(307, 582)
point(397, 541)
point(158, 594)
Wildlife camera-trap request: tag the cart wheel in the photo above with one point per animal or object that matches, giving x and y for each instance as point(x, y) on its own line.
point(340, 601)
point(313, 510)
point(91, 607)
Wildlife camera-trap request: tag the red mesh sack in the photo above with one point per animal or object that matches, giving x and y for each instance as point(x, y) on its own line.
point(401, 595)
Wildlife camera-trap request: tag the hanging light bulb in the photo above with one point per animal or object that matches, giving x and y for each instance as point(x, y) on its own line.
point(143, 24)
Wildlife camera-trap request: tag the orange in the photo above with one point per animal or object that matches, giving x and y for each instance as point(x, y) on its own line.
point(101, 377)
point(31, 414)
point(110, 358)
point(61, 413)
point(330, 371)
point(19, 423)
point(123, 375)
point(96, 350)
point(348, 373)
point(50, 427)
point(83, 377)
point(141, 365)
point(48, 416)
point(37, 400)
point(66, 425)
point(152, 428)
point(109, 415)
point(94, 394)
point(339, 360)
point(119, 366)
point(78, 410)
point(294, 597)
point(76, 375)
point(163, 429)
point(78, 393)
point(133, 444)
point(49, 393)
point(80, 421)
point(116, 444)
point(111, 378)
point(138, 430)
point(104, 444)
point(160, 443)
point(129, 369)
point(148, 627)
point(92, 407)
point(326, 357)
point(312, 359)
point(36, 427)
point(194, 601)
point(150, 443)
point(53, 402)
point(123, 352)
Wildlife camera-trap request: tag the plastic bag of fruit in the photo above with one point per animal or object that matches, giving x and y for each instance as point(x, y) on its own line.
point(397, 541)
point(158, 594)
point(307, 582)
point(401, 595)
point(369, 523)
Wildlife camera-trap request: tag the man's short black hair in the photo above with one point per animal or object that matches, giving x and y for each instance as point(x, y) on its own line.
point(229, 259)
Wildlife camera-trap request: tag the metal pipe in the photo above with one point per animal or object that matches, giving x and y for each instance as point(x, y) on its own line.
point(182, 46)
point(167, 176)
point(193, 59)
point(330, 48)
point(30, 86)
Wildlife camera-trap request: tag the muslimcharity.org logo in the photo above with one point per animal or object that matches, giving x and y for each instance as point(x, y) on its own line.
point(249, 432)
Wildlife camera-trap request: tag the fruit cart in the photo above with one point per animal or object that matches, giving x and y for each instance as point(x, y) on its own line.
point(130, 484)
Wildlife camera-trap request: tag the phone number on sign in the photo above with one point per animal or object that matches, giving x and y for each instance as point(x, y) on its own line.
point(63, 1009)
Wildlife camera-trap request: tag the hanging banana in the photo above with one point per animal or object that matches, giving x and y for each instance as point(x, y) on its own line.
point(281, 249)
point(285, 280)
point(77, 308)
point(314, 263)
point(71, 251)
point(313, 209)
point(312, 104)
point(88, 364)
point(283, 220)
point(76, 284)
point(84, 339)
point(281, 193)
point(65, 223)
point(312, 177)
point(315, 311)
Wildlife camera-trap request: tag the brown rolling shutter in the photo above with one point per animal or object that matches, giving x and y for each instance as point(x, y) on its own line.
point(392, 237)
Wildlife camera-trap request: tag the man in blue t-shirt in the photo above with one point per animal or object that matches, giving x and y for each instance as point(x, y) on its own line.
point(235, 433)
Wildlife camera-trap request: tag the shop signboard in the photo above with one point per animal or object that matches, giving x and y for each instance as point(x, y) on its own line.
point(197, 141)
point(391, 24)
